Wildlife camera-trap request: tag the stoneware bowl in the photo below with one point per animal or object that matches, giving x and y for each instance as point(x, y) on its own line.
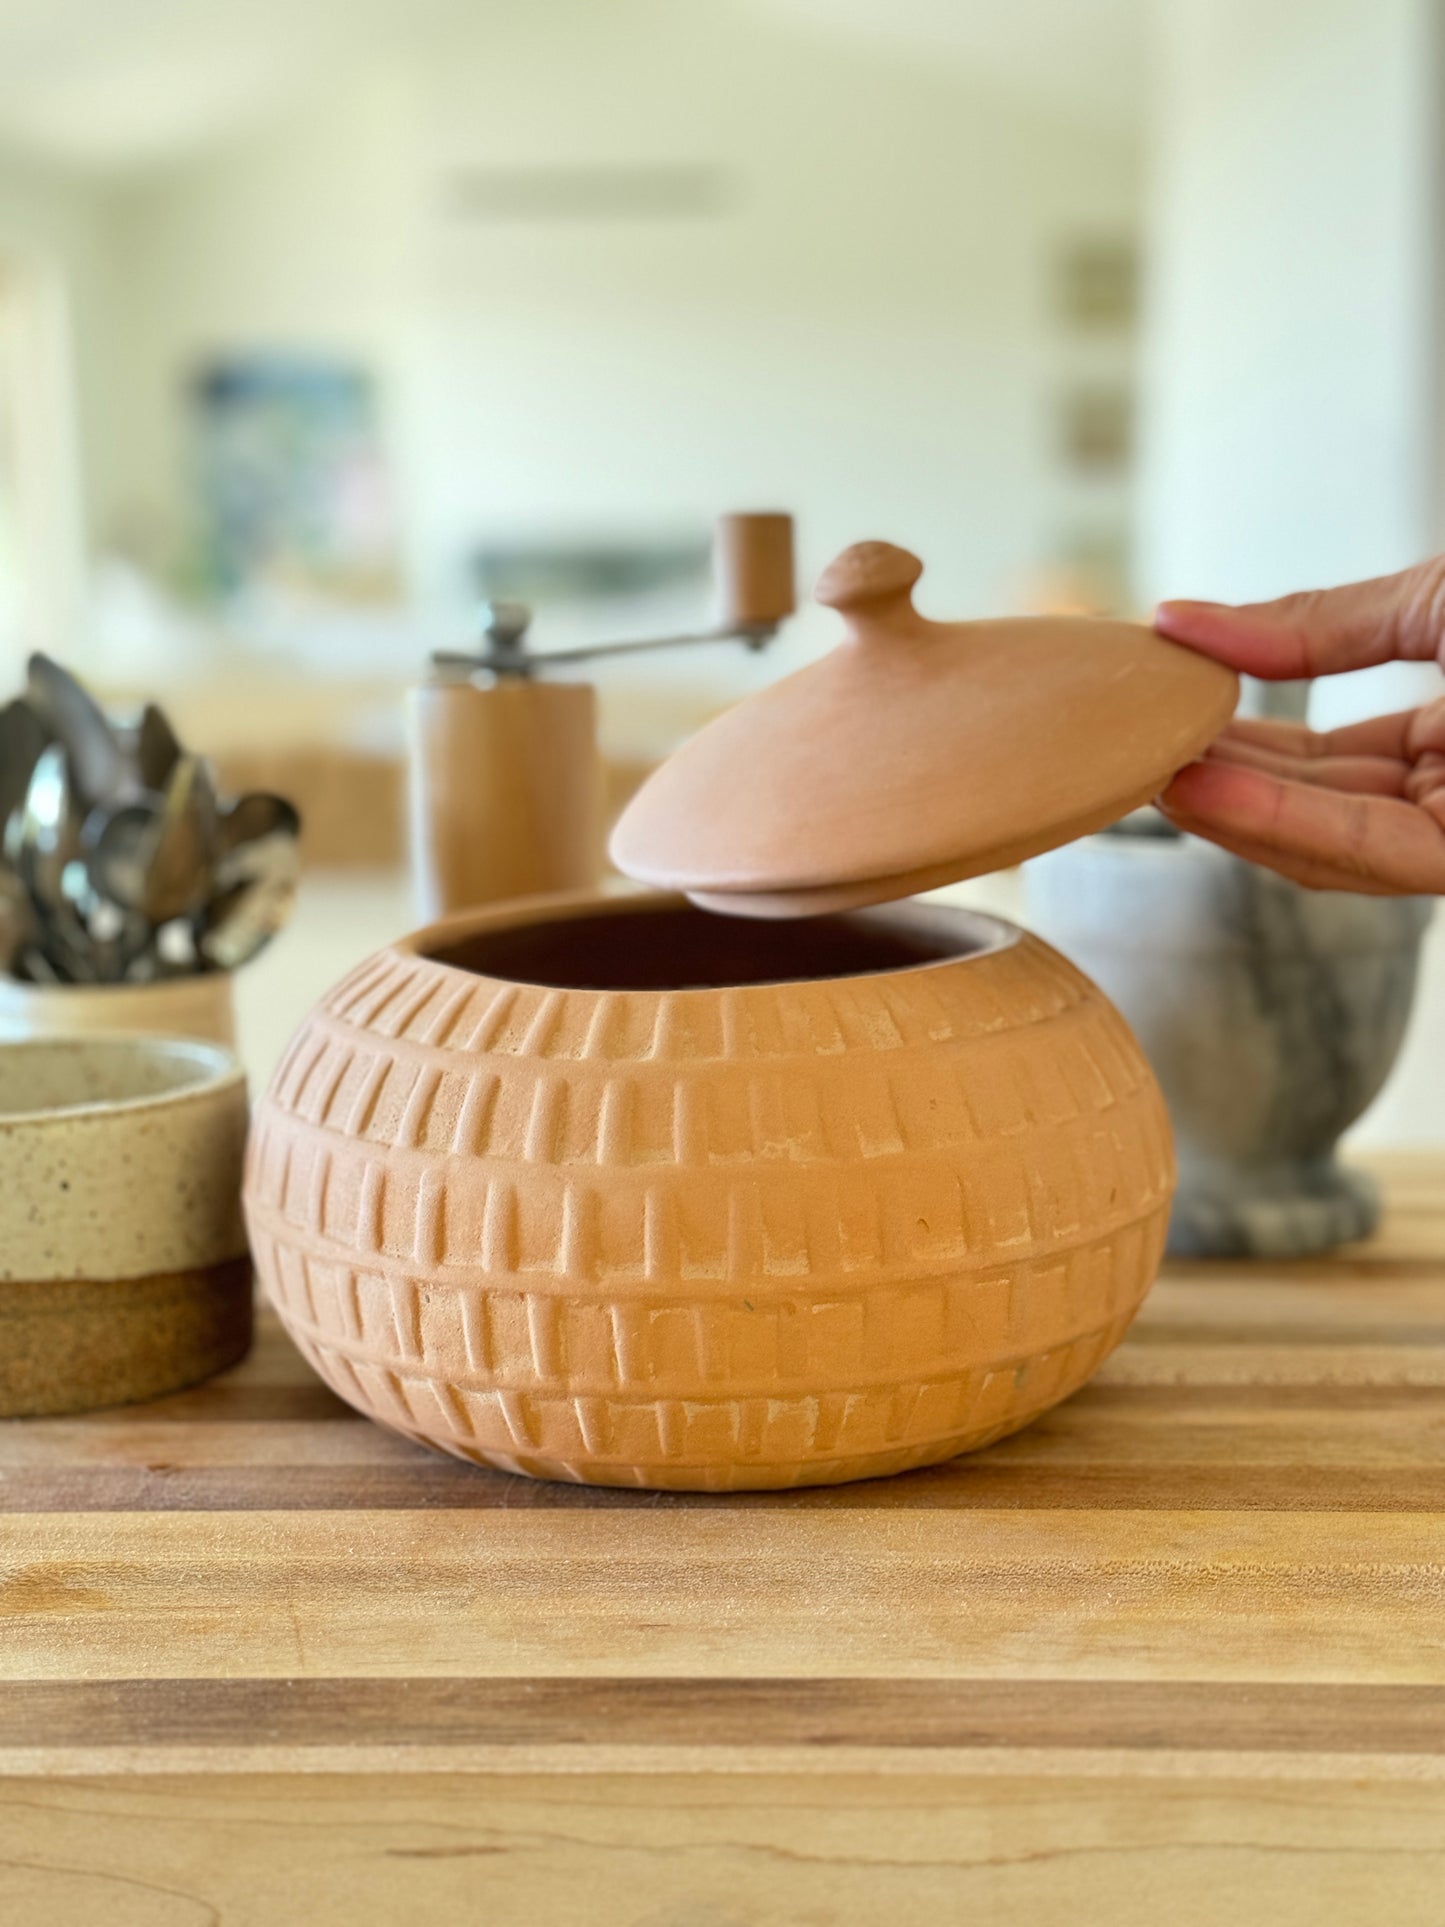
point(622, 1192)
point(123, 1266)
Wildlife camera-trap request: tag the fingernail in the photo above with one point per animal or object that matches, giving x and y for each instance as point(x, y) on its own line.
point(1176, 607)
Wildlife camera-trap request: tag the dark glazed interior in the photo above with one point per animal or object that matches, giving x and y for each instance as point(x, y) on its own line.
point(675, 947)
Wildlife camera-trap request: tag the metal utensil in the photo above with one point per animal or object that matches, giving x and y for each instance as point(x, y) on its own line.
point(48, 835)
point(117, 862)
point(179, 871)
point(17, 920)
point(98, 762)
point(46, 843)
point(33, 966)
point(155, 856)
point(249, 911)
point(22, 737)
point(256, 876)
point(157, 748)
point(255, 815)
point(119, 845)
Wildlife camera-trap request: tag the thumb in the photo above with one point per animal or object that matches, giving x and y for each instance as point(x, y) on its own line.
point(1393, 618)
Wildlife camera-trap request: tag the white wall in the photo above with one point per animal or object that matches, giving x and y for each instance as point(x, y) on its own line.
point(863, 336)
point(1291, 354)
point(54, 371)
point(1291, 349)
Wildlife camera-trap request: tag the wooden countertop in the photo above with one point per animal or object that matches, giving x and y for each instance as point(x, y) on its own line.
point(1176, 1654)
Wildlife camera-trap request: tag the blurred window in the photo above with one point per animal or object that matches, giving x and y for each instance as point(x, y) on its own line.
point(40, 514)
point(9, 434)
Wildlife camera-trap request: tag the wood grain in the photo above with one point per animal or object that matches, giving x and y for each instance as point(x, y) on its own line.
point(1156, 1595)
point(1186, 1716)
point(698, 1850)
point(1172, 1653)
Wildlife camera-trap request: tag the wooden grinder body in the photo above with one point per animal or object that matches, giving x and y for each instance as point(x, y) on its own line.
point(505, 791)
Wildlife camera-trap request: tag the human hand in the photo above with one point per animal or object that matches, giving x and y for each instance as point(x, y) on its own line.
point(1358, 809)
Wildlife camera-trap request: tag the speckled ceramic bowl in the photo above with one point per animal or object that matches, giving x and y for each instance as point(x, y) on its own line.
point(123, 1263)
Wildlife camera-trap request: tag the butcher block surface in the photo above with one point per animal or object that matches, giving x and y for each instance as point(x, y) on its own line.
point(1176, 1653)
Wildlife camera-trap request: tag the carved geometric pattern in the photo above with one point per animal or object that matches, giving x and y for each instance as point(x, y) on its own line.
point(767, 1236)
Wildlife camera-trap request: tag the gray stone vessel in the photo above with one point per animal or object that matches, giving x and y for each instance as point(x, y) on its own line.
point(1272, 1016)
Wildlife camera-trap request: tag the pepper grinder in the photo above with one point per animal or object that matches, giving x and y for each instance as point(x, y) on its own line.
point(505, 778)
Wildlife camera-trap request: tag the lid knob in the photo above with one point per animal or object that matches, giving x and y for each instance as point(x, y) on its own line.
point(871, 582)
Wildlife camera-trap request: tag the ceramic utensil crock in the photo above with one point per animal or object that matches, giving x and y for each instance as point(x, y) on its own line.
point(201, 1006)
point(123, 1266)
point(626, 1193)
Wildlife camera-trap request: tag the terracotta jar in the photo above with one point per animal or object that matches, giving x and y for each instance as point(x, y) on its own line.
point(624, 1192)
point(754, 1185)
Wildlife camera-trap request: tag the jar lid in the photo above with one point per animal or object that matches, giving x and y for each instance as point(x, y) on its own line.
point(918, 753)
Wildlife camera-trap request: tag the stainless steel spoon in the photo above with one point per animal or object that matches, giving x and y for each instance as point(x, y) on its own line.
point(17, 920)
point(117, 863)
point(179, 875)
point(157, 748)
point(119, 845)
point(255, 815)
point(98, 761)
point(46, 842)
point(22, 737)
point(246, 915)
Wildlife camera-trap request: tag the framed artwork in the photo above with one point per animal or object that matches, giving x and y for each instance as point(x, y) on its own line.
point(548, 571)
point(293, 484)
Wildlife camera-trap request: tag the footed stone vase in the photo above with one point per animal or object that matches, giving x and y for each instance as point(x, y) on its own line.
point(1272, 1016)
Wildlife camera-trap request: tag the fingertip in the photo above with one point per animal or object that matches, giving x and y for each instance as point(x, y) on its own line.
point(1206, 626)
point(1181, 611)
point(1181, 794)
point(1246, 639)
point(1197, 624)
point(1207, 796)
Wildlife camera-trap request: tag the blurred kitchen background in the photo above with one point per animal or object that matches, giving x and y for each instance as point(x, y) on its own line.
point(320, 321)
